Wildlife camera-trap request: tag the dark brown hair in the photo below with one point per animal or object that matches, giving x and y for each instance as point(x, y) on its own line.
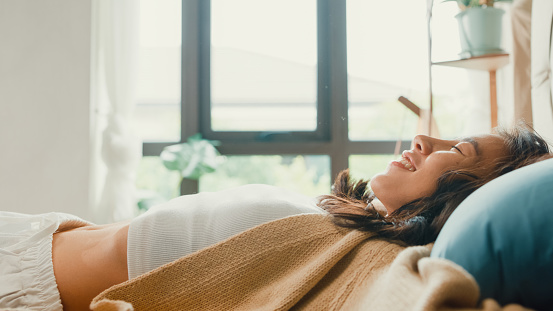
point(419, 222)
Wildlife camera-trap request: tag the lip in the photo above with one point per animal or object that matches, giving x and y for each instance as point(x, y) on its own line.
point(404, 156)
point(407, 155)
point(399, 165)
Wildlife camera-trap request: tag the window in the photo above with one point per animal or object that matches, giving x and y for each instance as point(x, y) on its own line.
point(293, 93)
point(263, 75)
point(158, 92)
point(387, 58)
point(306, 174)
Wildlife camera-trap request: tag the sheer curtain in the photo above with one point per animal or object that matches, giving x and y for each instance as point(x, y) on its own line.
point(117, 150)
point(542, 83)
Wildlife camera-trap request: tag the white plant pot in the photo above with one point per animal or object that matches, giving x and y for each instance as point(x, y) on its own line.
point(480, 31)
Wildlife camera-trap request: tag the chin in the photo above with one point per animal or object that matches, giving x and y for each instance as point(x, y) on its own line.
point(376, 183)
point(372, 180)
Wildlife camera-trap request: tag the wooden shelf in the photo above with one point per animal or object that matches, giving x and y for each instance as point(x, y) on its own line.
point(488, 62)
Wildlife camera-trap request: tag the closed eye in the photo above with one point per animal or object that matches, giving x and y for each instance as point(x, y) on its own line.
point(461, 152)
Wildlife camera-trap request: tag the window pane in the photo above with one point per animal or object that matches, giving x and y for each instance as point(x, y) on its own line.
point(263, 65)
point(366, 166)
point(454, 98)
point(309, 175)
point(155, 183)
point(157, 113)
point(387, 58)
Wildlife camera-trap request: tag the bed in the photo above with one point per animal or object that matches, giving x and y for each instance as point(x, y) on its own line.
point(494, 253)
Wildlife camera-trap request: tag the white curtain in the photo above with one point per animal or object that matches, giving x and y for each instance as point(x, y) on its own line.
point(117, 149)
point(542, 55)
point(521, 18)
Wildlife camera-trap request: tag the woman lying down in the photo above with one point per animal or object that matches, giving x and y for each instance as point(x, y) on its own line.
point(57, 261)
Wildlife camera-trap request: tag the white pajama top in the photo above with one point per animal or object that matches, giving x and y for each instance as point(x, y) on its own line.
point(192, 222)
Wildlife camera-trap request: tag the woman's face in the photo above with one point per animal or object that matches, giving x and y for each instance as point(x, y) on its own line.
point(415, 174)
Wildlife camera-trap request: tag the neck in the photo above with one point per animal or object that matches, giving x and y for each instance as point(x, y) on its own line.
point(380, 208)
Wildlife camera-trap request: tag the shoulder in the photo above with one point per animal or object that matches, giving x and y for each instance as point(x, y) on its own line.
point(266, 197)
point(246, 196)
point(254, 201)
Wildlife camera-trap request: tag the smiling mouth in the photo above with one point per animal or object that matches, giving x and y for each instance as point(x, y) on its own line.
point(405, 162)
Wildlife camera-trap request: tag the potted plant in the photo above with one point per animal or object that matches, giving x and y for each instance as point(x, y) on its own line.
point(192, 159)
point(480, 25)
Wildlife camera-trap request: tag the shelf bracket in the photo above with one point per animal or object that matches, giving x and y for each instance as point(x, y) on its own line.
point(410, 105)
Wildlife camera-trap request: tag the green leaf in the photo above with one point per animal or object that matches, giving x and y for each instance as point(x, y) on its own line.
point(460, 2)
point(192, 159)
point(463, 4)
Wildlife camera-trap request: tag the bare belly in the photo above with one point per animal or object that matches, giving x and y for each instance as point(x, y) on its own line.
point(87, 261)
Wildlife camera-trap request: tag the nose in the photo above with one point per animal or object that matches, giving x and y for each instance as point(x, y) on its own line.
point(422, 144)
point(426, 144)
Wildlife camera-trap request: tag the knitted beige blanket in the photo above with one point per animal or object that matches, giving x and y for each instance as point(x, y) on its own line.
point(300, 262)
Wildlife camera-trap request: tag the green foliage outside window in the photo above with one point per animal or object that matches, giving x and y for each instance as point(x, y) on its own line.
point(309, 175)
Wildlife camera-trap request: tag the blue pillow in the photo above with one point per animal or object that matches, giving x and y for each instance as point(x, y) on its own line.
point(502, 234)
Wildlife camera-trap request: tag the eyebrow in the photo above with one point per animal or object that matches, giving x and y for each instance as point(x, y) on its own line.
point(474, 143)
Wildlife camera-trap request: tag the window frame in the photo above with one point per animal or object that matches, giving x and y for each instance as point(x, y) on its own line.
point(331, 137)
point(321, 133)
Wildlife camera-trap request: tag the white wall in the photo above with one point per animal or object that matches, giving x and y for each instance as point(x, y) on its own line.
point(45, 105)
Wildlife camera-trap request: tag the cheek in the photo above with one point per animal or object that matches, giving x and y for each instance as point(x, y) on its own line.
point(425, 183)
point(440, 167)
point(424, 186)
